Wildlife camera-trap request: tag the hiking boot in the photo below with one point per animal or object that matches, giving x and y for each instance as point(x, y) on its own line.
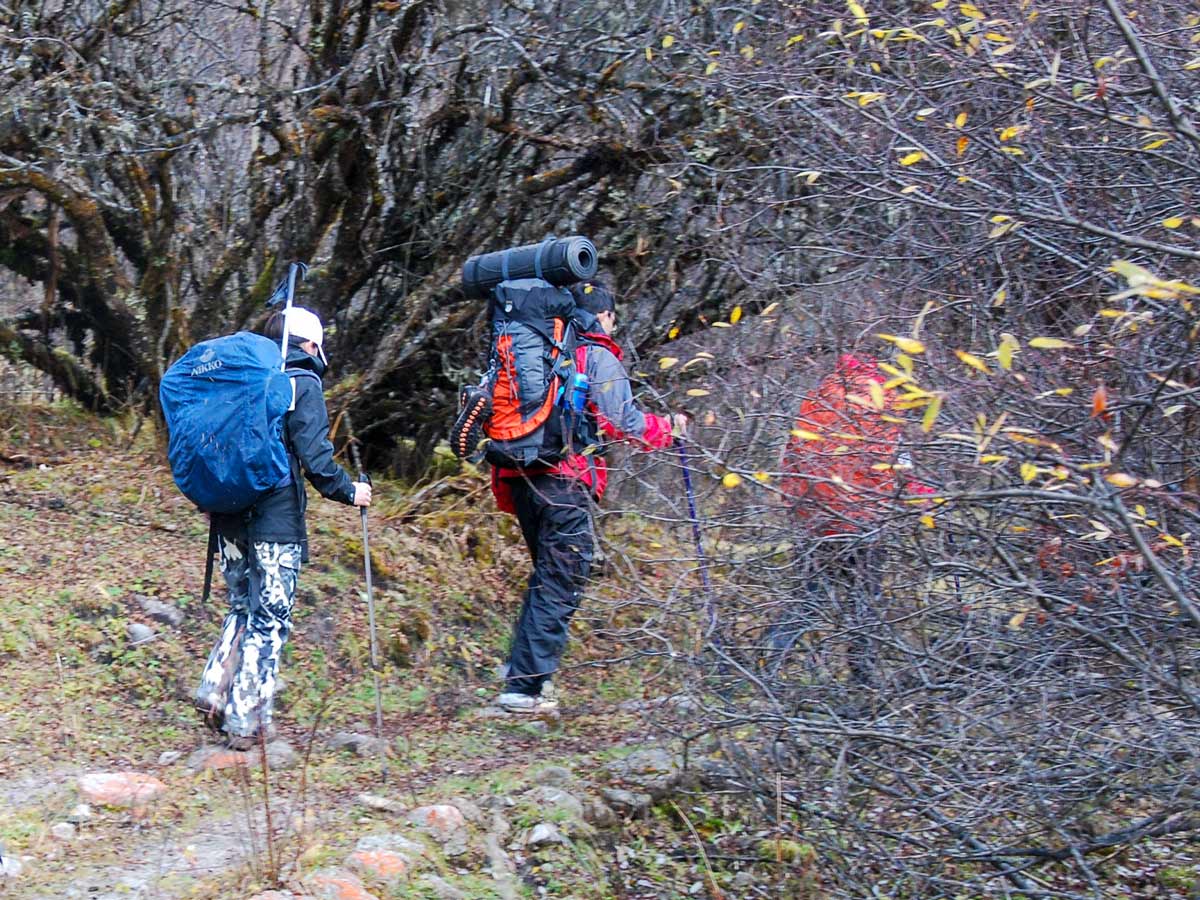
point(211, 715)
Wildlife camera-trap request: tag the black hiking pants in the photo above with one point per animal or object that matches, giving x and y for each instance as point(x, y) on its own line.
point(555, 521)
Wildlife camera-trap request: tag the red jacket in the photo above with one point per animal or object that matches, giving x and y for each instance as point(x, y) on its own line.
point(618, 418)
point(842, 433)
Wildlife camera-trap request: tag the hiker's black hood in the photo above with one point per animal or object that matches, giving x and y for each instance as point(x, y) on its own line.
point(300, 359)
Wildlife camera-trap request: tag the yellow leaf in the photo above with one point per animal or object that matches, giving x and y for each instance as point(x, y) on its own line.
point(668, 41)
point(735, 316)
point(793, 40)
point(1172, 410)
point(711, 67)
point(1048, 343)
point(1010, 132)
point(1012, 151)
point(1028, 472)
point(673, 333)
point(931, 413)
point(1121, 480)
point(999, 297)
point(762, 477)
point(856, 10)
point(738, 26)
point(806, 435)
point(720, 324)
point(1004, 355)
point(649, 55)
point(912, 158)
point(865, 98)
point(1015, 623)
point(747, 52)
point(969, 359)
point(998, 38)
point(698, 392)
point(940, 4)
point(875, 389)
point(1155, 144)
point(910, 188)
point(1172, 222)
point(927, 521)
point(993, 458)
point(1173, 541)
point(960, 120)
point(731, 479)
point(666, 362)
point(907, 345)
point(960, 146)
point(770, 309)
point(970, 10)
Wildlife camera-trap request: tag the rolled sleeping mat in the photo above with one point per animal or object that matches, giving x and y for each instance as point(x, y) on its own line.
point(561, 261)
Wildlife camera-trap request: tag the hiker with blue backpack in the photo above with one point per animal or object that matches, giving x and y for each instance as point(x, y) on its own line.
point(223, 397)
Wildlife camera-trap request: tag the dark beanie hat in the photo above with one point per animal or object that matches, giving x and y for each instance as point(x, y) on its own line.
point(593, 297)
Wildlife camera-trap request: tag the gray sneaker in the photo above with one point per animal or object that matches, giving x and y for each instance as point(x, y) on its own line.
point(546, 701)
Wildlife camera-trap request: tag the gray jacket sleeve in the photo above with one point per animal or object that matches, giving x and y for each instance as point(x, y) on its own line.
point(609, 390)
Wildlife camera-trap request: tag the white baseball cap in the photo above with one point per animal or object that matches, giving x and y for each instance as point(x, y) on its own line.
point(306, 325)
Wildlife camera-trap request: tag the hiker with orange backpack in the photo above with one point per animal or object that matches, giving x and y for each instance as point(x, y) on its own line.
point(552, 501)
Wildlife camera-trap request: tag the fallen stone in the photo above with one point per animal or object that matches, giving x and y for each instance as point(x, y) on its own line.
point(336, 884)
point(139, 633)
point(555, 776)
point(120, 789)
point(169, 757)
point(627, 802)
point(441, 889)
point(445, 824)
point(439, 822)
point(384, 866)
point(652, 770)
point(546, 797)
point(600, 814)
point(500, 864)
point(469, 810)
point(360, 744)
point(280, 755)
point(380, 804)
point(166, 613)
point(62, 831)
point(544, 834)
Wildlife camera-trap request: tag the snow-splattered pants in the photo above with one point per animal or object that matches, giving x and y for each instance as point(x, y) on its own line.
point(240, 675)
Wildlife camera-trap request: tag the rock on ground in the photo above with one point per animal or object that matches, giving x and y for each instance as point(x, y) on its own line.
point(336, 884)
point(652, 770)
point(280, 755)
point(166, 613)
point(544, 833)
point(442, 889)
point(360, 744)
point(120, 789)
point(139, 633)
point(445, 824)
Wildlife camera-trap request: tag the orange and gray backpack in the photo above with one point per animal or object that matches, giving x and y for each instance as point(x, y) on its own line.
point(527, 412)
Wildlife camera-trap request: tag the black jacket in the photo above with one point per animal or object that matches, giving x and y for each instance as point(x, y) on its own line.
point(279, 515)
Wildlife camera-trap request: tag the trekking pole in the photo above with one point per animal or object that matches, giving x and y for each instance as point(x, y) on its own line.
point(363, 477)
point(710, 607)
point(284, 293)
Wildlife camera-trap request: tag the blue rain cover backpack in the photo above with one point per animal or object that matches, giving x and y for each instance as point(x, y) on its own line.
point(224, 402)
